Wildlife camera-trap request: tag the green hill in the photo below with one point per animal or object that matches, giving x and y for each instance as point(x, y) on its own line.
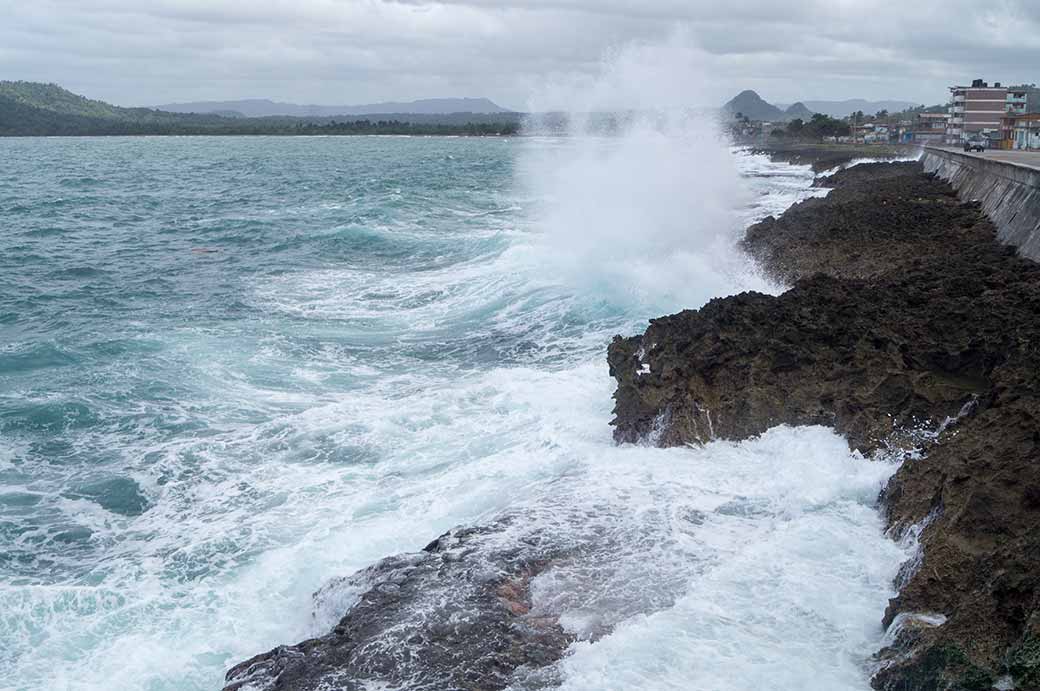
point(34, 109)
point(30, 108)
point(52, 97)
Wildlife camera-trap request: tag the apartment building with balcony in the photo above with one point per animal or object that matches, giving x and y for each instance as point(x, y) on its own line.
point(1024, 94)
point(978, 109)
point(1017, 101)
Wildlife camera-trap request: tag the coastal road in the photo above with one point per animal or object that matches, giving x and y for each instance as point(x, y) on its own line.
point(1029, 159)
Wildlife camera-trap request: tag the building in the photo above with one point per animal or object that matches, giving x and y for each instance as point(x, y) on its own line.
point(1024, 94)
point(879, 135)
point(977, 110)
point(1021, 131)
point(861, 132)
point(928, 128)
point(1017, 100)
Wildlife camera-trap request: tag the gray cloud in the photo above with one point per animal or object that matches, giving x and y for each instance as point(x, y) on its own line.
point(340, 51)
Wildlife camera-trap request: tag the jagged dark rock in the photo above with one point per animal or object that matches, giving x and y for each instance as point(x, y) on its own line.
point(907, 325)
point(877, 219)
point(455, 616)
point(480, 608)
point(822, 157)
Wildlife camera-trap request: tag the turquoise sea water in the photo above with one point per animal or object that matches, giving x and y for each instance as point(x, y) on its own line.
point(232, 369)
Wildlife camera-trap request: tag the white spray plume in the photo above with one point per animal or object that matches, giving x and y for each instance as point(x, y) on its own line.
point(649, 214)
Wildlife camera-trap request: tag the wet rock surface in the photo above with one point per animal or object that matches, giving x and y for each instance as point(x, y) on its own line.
point(907, 327)
point(823, 157)
point(482, 607)
point(455, 616)
point(878, 219)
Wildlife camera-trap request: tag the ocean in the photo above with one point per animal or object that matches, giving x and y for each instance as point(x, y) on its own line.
point(235, 369)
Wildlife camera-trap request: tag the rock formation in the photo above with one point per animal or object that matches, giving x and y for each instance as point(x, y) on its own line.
point(824, 157)
point(455, 616)
point(907, 328)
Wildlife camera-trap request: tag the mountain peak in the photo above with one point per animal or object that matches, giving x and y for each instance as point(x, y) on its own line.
point(798, 110)
point(751, 105)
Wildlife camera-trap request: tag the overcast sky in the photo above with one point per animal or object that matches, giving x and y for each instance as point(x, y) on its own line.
point(143, 52)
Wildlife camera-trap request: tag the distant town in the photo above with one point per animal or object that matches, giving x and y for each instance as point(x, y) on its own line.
point(990, 116)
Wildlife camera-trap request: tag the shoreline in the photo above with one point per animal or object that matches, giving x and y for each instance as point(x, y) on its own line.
point(911, 331)
point(283, 135)
point(882, 336)
point(822, 157)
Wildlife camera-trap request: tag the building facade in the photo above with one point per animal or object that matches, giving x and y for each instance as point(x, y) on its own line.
point(1017, 102)
point(929, 128)
point(1027, 95)
point(978, 110)
point(1021, 131)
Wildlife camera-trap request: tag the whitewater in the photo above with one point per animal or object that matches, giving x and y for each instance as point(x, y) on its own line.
point(233, 370)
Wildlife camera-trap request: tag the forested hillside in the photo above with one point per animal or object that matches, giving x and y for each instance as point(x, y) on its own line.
point(33, 109)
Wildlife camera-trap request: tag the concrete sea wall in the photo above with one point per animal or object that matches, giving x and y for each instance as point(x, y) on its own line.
point(1009, 193)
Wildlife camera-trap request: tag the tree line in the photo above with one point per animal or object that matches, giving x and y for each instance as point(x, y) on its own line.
point(21, 120)
point(34, 109)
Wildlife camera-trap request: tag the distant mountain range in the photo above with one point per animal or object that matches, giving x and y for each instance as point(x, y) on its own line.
point(259, 108)
point(755, 107)
point(841, 109)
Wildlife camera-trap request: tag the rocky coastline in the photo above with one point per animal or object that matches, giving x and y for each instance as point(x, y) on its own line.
point(823, 157)
point(906, 327)
point(911, 331)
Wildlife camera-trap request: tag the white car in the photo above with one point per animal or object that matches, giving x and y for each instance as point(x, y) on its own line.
point(975, 144)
